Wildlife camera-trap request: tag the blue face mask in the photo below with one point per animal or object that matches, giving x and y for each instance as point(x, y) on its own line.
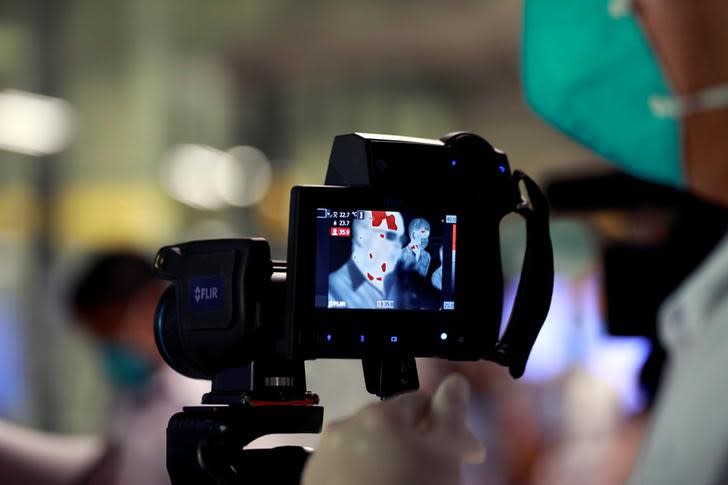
point(126, 368)
point(590, 71)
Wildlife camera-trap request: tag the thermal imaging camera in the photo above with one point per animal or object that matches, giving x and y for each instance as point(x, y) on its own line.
point(398, 253)
point(396, 256)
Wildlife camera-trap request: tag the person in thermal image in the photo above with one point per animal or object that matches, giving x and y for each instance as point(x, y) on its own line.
point(370, 274)
point(414, 256)
point(437, 274)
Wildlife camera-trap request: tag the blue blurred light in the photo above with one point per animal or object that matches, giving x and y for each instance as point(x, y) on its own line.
point(328, 337)
point(393, 339)
point(13, 363)
point(502, 168)
point(361, 338)
point(454, 162)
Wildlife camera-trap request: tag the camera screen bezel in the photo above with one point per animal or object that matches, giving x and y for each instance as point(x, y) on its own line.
point(411, 332)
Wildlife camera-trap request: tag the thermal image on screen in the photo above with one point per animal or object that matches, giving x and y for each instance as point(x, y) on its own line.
point(384, 260)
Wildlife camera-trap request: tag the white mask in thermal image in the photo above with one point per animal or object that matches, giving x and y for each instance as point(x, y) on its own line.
point(377, 245)
point(419, 238)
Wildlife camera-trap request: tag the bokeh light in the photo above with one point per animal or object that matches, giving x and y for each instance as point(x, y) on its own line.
point(32, 124)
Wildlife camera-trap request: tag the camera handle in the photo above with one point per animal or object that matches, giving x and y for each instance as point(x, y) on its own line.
point(205, 443)
point(533, 297)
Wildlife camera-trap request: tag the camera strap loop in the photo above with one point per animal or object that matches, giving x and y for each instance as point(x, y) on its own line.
point(533, 297)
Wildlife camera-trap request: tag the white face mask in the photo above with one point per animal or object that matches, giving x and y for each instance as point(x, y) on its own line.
point(420, 239)
point(644, 83)
point(377, 245)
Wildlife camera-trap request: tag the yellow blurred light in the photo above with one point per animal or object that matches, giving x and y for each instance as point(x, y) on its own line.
point(272, 212)
point(109, 215)
point(19, 215)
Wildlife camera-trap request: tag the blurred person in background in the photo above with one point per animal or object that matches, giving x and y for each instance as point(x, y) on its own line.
point(114, 300)
point(652, 238)
point(686, 440)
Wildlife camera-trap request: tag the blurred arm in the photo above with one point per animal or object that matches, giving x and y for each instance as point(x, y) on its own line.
point(29, 456)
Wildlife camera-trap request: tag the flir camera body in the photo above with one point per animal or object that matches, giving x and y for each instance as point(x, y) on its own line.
point(356, 281)
point(397, 256)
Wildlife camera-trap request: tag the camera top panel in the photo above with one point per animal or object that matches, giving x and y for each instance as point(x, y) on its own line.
point(458, 164)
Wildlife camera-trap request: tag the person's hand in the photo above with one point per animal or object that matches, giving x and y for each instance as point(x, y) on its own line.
point(410, 439)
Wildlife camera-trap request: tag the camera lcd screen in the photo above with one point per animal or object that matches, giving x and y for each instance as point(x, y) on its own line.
point(385, 260)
